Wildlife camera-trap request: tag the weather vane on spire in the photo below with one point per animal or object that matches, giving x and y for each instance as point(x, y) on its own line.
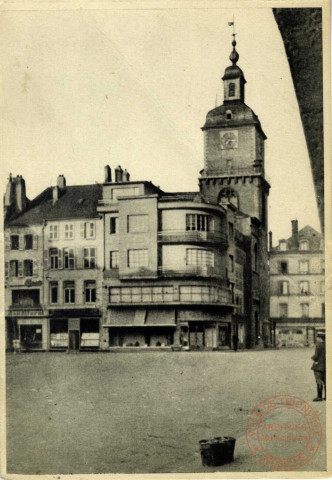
point(231, 24)
point(234, 56)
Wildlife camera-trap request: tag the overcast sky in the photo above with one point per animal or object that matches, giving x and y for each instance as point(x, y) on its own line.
point(81, 89)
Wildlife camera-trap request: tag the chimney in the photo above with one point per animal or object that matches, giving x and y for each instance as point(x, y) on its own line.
point(295, 233)
point(118, 174)
point(295, 228)
point(126, 176)
point(108, 173)
point(55, 194)
point(270, 240)
point(61, 182)
point(21, 198)
point(10, 193)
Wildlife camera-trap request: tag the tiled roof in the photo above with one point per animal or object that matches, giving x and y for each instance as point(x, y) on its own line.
point(78, 201)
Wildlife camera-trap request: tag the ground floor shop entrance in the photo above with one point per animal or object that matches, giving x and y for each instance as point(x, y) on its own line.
point(74, 333)
point(299, 335)
point(31, 337)
point(141, 337)
point(208, 335)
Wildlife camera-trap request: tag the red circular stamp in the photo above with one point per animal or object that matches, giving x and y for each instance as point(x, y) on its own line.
point(283, 432)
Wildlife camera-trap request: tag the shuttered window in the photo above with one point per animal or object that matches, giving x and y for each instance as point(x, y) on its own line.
point(89, 257)
point(68, 258)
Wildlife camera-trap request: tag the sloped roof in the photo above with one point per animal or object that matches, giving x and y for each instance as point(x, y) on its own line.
point(78, 201)
point(241, 115)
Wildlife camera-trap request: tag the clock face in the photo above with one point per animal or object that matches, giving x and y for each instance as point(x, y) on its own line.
point(228, 140)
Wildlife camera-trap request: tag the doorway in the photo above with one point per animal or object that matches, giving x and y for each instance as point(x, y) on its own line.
point(74, 336)
point(196, 337)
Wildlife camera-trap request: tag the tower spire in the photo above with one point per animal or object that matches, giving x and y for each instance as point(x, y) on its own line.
point(234, 56)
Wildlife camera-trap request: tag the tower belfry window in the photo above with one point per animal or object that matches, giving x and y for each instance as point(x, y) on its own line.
point(231, 90)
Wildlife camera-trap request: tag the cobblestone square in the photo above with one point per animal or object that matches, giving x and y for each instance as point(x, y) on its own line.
point(143, 412)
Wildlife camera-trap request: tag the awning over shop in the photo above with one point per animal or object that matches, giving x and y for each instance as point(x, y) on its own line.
point(159, 316)
point(141, 317)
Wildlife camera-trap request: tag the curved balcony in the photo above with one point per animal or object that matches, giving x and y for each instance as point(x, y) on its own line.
point(190, 236)
point(189, 271)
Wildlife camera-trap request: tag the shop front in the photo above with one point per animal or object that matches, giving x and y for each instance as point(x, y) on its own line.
point(204, 329)
point(32, 334)
point(141, 327)
point(75, 330)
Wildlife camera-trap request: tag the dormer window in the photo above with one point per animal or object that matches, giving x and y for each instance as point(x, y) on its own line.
point(229, 115)
point(231, 90)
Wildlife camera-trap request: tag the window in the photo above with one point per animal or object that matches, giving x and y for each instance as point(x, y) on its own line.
point(231, 90)
point(90, 292)
point(199, 223)
point(68, 258)
point(304, 288)
point(323, 309)
point(114, 259)
point(304, 309)
point(27, 268)
point(283, 309)
point(322, 288)
point(114, 225)
point(231, 263)
point(69, 292)
point(304, 245)
point(54, 292)
point(69, 231)
point(90, 257)
point(14, 242)
point(199, 257)
point(231, 230)
point(138, 258)
point(282, 245)
point(206, 293)
point(228, 115)
point(137, 223)
point(141, 294)
point(54, 232)
point(304, 266)
point(25, 298)
point(28, 242)
point(284, 288)
point(89, 230)
point(322, 265)
point(54, 258)
point(283, 267)
point(13, 268)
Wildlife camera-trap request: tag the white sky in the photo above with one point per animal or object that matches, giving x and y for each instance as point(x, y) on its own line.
point(81, 89)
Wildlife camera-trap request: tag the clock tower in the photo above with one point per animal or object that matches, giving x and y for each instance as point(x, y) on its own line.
point(234, 150)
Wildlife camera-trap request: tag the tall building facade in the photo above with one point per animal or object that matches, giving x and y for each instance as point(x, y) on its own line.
point(297, 283)
point(126, 265)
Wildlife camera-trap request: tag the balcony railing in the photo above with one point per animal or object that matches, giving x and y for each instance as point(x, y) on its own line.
point(177, 235)
point(189, 270)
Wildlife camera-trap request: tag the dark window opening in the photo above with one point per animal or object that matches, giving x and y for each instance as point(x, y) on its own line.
point(54, 292)
point(14, 242)
point(28, 242)
point(114, 225)
point(283, 267)
point(27, 268)
point(13, 268)
point(25, 298)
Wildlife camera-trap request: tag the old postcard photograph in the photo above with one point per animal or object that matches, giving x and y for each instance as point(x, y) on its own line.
point(165, 295)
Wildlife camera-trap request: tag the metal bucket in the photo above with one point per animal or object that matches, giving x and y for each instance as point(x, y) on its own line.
point(217, 451)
